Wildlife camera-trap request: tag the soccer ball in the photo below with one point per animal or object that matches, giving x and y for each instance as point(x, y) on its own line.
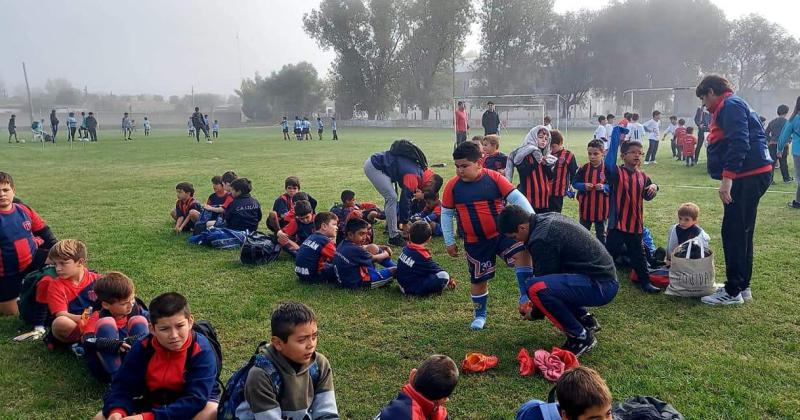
point(22, 140)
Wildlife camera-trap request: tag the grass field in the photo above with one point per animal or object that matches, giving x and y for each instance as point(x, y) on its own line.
point(733, 362)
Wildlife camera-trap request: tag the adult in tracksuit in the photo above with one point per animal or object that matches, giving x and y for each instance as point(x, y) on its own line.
point(791, 131)
point(199, 123)
point(702, 119)
point(383, 170)
point(53, 124)
point(739, 158)
point(572, 271)
point(91, 126)
point(490, 120)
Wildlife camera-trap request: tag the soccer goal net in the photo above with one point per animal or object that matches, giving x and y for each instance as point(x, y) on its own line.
point(516, 111)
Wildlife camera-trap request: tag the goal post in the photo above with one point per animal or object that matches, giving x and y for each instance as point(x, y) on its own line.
point(672, 100)
point(518, 110)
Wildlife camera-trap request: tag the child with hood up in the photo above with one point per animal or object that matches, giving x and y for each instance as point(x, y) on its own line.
point(534, 162)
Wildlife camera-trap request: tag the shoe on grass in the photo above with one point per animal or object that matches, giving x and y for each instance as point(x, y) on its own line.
point(580, 346)
point(721, 297)
point(590, 323)
point(478, 323)
point(794, 205)
point(747, 295)
point(397, 241)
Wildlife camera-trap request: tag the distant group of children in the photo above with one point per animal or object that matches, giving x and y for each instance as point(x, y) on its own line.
point(302, 128)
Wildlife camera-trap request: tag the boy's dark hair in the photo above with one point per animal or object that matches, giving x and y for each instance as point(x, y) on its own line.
point(467, 150)
point(681, 122)
point(354, 225)
point(289, 315)
point(323, 217)
point(547, 119)
point(782, 110)
point(430, 195)
point(113, 287)
point(168, 304)
point(628, 145)
point(556, 137)
point(436, 377)
point(419, 232)
point(490, 103)
point(673, 117)
point(243, 185)
point(186, 187)
point(689, 130)
point(436, 182)
point(228, 177)
point(656, 113)
point(216, 180)
point(713, 82)
point(291, 181)
point(601, 118)
point(5, 178)
point(627, 115)
point(197, 108)
point(635, 117)
point(595, 143)
point(580, 389)
point(302, 208)
point(348, 195)
point(301, 196)
point(610, 117)
point(510, 218)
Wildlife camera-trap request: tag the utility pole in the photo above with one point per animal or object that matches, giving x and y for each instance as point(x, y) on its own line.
point(28, 88)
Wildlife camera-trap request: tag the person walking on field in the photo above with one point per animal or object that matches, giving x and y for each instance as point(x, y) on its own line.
point(53, 124)
point(739, 159)
point(461, 124)
point(490, 120)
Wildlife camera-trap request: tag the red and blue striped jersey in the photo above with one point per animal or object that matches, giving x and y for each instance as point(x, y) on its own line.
point(563, 172)
point(534, 182)
point(411, 405)
point(629, 195)
point(298, 231)
point(223, 200)
point(477, 203)
point(495, 162)
point(592, 205)
point(183, 207)
point(17, 244)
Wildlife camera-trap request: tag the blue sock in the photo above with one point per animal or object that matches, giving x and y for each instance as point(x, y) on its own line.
point(480, 305)
point(523, 275)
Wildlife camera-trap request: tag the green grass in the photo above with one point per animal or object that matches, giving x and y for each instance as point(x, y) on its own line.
point(738, 362)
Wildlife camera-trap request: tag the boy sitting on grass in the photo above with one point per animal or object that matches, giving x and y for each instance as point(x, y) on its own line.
point(355, 262)
point(300, 227)
point(285, 203)
point(306, 379)
point(217, 201)
point(432, 213)
point(111, 331)
point(428, 389)
point(69, 295)
point(313, 260)
point(417, 273)
point(244, 212)
point(156, 381)
point(187, 209)
point(686, 228)
point(581, 394)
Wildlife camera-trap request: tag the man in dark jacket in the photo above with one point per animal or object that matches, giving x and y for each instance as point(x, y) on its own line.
point(199, 123)
point(572, 270)
point(702, 118)
point(490, 120)
point(91, 126)
point(53, 124)
point(738, 157)
point(773, 132)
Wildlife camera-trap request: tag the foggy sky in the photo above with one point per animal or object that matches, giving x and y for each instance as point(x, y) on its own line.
point(166, 46)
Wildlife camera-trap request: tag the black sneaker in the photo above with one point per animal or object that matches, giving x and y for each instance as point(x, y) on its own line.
point(397, 241)
point(788, 181)
point(590, 323)
point(794, 205)
point(578, 346)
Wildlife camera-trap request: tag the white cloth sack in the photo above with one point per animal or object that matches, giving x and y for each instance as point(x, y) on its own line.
point(691, 277)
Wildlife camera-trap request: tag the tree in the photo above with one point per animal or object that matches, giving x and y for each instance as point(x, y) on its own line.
point(760, 54)
point(630, 51)
point(62, 92)
point(511, 33)
point(367, 39)
point(295, 89)
point(435, 37)
point(568, 58)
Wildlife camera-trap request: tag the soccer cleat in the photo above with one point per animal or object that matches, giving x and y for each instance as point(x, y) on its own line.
point(649, 288)
point(747, 295)
point(788, 181)
point(794, 205)
point(579, 346)
point(590, 323)
point(397, 241)
point(478, 362)
point(721, 297)
point(478, 323)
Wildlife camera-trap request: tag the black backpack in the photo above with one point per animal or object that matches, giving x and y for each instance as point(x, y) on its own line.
point(259, 248)
point(27, 293)
point(409, 150)
point(207, 329)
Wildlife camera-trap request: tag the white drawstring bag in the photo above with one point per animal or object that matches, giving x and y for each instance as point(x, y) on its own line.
point(690, 277)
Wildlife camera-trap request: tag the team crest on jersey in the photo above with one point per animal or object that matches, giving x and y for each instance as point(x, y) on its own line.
point(26, 225)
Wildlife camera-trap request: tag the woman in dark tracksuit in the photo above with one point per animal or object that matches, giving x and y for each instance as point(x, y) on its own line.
point(739, 158)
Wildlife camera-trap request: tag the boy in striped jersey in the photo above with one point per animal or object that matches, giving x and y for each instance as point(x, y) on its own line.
point(593, 189)
point(629, 187)
point(563, 172)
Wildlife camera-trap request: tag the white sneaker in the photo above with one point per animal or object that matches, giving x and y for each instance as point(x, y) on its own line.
point(747, 295)
point(646, 162)
point(652, 161)
point(721, 297)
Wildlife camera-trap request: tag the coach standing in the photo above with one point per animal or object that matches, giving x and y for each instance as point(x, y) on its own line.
point(53, 124)
point(461, 124)
point(701, 119)
point(490, 120)
point(738, 157)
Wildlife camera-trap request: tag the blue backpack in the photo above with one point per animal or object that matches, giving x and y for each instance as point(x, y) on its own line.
point(540, 410)
point(220, 238)
point(233, 396)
